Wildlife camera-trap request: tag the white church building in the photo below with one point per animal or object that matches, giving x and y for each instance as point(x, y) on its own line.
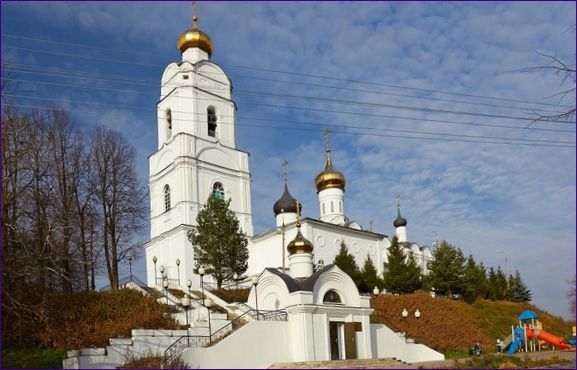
point(323, 315)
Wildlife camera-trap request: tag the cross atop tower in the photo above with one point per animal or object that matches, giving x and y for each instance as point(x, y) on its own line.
point(327, 134)
point(398, 201)
point(284, 164)
point(194, 15)
point(298, 214)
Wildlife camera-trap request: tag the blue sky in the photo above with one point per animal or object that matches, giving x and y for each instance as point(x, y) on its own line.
point(508, 205)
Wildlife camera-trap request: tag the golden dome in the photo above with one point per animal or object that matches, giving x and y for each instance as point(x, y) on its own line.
point(195, 38)
point(330, 178)
point(299, 244)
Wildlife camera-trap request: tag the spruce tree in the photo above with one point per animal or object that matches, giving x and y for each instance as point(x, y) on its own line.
point(401, 273)
point(446, 270)
point(369, 276)
point(346, 262)
point(518, 291)
point(470, 288)
point(219, 244)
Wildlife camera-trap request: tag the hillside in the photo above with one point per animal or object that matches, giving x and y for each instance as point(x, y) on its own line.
point(447, 324)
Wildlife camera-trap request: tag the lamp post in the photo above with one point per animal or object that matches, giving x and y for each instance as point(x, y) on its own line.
point(254, 280)
point(235, 277)
point(376, 291)
point(161, 269)
point(417, 316)
point(201, 272)
point(130, 257)
point(154, 259)
point(165, 285)
point(208, 304)
point(178, 270)
point(189, 284)
point(185, 301)
point(404, 316)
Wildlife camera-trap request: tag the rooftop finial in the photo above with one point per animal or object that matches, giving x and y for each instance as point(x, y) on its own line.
point(194, 15)
point(284, 164)
point(327, 134)
point(298, 214)
point(398, 201)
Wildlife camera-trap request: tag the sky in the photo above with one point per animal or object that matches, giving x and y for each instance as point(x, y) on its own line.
point(430, 101)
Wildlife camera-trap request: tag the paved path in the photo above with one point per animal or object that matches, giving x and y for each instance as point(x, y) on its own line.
point(565, 355)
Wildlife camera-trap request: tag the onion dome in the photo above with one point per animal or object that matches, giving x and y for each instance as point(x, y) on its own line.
point(286, 203)
point(194, 38)
point(399, 221)
point(299, 244)
point(329, 178)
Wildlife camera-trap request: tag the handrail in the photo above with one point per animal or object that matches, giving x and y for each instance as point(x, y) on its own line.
point(199, 341)
point(126, 280)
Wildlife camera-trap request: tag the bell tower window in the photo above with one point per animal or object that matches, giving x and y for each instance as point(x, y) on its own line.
point(211, 119)
point(332, 297)
point(168, 118)
point(166, 198)
point(218, 191)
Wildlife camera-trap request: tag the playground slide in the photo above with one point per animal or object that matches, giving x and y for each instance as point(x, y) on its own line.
point(514, 346)
point(549, 338)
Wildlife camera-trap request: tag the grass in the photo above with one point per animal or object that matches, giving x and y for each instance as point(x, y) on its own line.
point(506, 362)
point(455, 353)
point(32, 358)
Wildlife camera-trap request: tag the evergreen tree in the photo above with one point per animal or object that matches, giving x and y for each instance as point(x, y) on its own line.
point(219, 244)
point(493, 291)
point(369, 276)
point(446, 270)
point(518, 291)
point(346, 262)
point(401, 275)
point(483, 284)
point(502, 284)
point(470, 288)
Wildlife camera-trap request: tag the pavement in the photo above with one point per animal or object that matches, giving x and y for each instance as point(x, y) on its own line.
point(568, 355)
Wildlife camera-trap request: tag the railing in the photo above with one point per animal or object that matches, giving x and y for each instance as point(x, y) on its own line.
point(227, 285)
point(172, 283)
point(126, 280)
point(190, 341)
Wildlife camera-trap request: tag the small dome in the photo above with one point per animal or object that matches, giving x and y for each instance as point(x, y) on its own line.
point(195, 38)
point(300, 244)
point(329, 178)
point(400, 221)
point(286, 203)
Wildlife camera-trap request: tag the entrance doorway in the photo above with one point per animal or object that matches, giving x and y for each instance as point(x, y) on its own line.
point(351, 329)
point(335, 328)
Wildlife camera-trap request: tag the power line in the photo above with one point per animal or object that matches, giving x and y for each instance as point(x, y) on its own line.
point(337, 101)
point(56, 71)
point(278, 71)
point(503, 141)
point(321, 124)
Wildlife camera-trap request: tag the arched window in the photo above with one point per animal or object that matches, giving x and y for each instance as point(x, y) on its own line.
point(324, 211)
point(211, 119)
point(331, 297)
point(218, 191)
point(332, 207)
point(166, 198)
point(168, 118)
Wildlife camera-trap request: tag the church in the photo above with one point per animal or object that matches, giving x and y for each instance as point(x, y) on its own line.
point(197, 156)
point(301, 307)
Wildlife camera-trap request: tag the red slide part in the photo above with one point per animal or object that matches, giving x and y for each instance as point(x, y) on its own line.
point(549, 338)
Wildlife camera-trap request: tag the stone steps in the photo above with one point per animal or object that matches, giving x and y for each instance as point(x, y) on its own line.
point(376, 363)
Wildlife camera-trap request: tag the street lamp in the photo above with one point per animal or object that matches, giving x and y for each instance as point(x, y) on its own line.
point(254, 280)
point(154, 259)
point(201, 272)
point(208, 304)
point(376, 291)
point(185, 301)
point(178, 270)
point(417, 316)
point(235, 277)
point(189, 284)
point(165, 285)
point(130, 257)
point(404, 315)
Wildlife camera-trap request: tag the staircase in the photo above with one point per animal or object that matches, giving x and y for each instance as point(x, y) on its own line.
point(377, 363)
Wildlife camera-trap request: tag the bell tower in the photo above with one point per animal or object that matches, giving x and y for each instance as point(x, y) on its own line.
point(196, 157)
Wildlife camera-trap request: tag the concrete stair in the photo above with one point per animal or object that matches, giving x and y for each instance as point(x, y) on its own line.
point(373, 363)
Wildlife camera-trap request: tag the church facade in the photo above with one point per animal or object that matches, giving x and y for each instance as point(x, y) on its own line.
point(197, 156)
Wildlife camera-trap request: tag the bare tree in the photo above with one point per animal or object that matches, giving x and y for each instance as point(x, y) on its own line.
point(571, 295)
point(120, 199)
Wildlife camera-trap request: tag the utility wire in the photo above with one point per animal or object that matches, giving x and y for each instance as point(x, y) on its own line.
point(336, 101)
point(272, 71)
point(443, 137)
point(28, 69)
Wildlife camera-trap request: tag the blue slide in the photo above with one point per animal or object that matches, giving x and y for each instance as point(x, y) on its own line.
point(514, 347)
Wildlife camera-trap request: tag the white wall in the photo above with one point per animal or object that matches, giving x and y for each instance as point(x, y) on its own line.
point(387, 343)
point(258, 344)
